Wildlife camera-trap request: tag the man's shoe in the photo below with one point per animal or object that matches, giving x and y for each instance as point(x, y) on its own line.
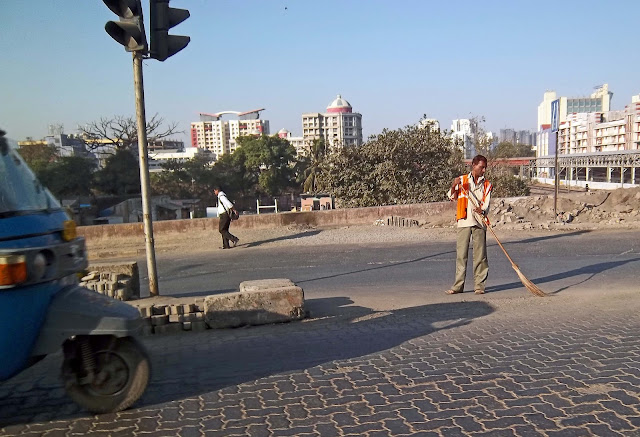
point(235, 242)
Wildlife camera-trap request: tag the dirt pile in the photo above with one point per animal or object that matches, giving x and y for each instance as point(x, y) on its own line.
point(583, 210)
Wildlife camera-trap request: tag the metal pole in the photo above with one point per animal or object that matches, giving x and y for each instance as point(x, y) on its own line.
point(144, 173)
point(555, 195)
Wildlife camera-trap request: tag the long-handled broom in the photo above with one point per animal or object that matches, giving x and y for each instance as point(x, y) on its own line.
point(533, 288)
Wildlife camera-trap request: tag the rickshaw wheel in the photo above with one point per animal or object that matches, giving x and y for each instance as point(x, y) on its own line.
point(121, 375)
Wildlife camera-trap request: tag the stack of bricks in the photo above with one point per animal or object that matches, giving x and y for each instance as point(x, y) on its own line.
point(402, 222)
point(164, 319)
point(115, 285)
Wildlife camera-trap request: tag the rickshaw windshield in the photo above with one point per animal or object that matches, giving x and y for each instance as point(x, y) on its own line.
point(20, 190)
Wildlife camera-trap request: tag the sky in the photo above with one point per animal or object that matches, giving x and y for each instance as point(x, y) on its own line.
point(393, 60)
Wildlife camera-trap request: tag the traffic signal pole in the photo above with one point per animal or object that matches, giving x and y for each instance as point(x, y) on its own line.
point(144, 173)
point(129, 32)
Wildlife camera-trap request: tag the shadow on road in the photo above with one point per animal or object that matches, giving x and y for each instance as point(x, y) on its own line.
point(435, 255)
point(591, 270)
point(198, 364)
point(285, 237)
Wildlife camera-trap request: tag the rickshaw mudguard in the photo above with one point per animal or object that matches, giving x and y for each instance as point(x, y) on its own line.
point(79, 311)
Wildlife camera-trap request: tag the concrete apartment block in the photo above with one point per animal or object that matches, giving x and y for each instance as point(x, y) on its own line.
point(258, 303)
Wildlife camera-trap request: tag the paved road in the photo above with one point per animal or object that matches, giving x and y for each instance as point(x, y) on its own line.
point(505, 363)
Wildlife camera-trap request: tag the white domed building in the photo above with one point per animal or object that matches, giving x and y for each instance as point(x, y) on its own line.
point(339, 125)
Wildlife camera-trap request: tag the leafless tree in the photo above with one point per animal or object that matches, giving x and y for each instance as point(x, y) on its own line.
point(121, 133)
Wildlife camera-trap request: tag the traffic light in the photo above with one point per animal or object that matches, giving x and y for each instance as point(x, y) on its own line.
point(129, 31)
point(164, 18)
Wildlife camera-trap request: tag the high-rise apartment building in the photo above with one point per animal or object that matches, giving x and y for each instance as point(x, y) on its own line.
point(339, 125)
point(219, 136)
point(599, 101)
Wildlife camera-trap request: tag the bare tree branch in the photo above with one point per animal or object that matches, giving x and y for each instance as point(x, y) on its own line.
point(121, 133)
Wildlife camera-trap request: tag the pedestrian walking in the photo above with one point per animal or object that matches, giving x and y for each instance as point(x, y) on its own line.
point(473, 194)
point(225, 210)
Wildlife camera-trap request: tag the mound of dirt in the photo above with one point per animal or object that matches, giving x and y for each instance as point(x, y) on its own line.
point(575, 210)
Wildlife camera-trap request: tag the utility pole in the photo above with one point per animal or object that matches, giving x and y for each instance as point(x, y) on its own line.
point(555, 121)
point(144, 174)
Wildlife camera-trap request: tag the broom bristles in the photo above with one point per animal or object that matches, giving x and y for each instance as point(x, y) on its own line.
point(533, 288)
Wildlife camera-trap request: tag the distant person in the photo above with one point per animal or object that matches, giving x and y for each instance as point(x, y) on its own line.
point(225, 207)
point(473, 194)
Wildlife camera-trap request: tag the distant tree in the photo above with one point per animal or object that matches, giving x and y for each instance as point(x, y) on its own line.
point(407, 165)
point(231, 173)
point(271, 159)
point(190, 179)
point(120, 175)
point(38, 156)
point(121, 133)
point(68, 176)
point(481, 140)
point(309, 167)
point(507, 149)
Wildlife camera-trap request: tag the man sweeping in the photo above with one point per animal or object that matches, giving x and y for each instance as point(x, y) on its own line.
point(473, 194)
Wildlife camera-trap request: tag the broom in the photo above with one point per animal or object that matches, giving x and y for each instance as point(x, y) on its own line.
point(533, 288)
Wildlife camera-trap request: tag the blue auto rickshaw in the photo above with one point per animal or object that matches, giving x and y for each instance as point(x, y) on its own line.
point(42, 308)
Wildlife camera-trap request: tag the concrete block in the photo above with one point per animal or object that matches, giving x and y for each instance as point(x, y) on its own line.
point(186, 326)
point(168, 329)
point(159, 320)
point(265, 284)
point(256, 307)
point(145, 312)
point(188, 308)
point(175, 318)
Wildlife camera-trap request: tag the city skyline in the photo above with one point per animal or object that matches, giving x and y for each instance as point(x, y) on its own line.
point(393, 62)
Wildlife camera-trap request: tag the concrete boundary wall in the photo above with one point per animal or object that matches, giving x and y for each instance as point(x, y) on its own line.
point(335, 217)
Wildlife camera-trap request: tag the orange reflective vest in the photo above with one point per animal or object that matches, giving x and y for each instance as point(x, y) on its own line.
point(463, 196)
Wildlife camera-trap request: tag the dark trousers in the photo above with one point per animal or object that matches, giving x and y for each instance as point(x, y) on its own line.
point(223, 227)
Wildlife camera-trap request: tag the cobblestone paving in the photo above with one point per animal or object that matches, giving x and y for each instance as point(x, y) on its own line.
point(568, 366)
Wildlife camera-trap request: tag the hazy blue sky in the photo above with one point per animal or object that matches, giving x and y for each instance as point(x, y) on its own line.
point(393, 60)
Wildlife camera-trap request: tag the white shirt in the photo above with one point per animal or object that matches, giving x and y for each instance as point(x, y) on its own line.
point(223, 203)
point(478, 190)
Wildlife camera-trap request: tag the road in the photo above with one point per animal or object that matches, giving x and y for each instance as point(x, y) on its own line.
point(386, 352)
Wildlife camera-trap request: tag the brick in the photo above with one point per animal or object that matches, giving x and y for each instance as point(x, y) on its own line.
point(176, 310)
point(159, 320)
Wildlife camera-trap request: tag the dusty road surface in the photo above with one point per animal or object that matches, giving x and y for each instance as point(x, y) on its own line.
point(375, 360)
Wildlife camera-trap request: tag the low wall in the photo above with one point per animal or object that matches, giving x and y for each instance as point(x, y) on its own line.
point(334, 217)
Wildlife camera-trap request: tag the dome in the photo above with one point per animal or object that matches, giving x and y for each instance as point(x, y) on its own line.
point(283, 133)
point(339, 105)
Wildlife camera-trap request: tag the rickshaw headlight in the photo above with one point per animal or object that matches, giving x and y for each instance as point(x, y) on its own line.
point(13, 269)
point(69, 231)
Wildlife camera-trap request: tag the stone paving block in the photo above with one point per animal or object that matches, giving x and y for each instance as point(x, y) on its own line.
point(127, 268)
point(159, 320)
point(176, 310)
point(255, 307)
